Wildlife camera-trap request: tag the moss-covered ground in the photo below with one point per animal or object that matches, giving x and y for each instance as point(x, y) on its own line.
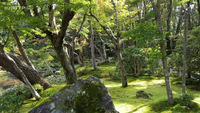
point(125, 99)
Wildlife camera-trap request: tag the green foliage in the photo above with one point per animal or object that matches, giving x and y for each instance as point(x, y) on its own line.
point(133, 55)
point(144, 34)
point(115, 75)
point(13, 98)
point(186, 100)
point(97, 74)
point(193, 53)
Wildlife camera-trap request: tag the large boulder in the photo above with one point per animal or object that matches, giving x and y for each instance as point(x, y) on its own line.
point(88, 96)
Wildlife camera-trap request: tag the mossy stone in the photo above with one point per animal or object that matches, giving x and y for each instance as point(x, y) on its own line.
point(87, 101)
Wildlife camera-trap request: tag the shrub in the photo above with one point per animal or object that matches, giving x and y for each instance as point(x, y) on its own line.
point(186, 100)
point(12, 99)
point(114, 75)
point(97, 74)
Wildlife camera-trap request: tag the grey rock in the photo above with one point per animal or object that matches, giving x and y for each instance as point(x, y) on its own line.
point(78, 98)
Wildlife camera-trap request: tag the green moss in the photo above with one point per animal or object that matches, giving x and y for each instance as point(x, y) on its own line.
point(45, 95)
point(86, 102)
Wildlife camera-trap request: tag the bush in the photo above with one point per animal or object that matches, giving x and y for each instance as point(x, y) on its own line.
point(114, 75)
point(186, 100)
point(12, 99)
point(56, 79)
point(97, 74)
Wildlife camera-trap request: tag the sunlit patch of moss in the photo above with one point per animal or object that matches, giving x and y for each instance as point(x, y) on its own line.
point(88, 71)
point(125, 99)
point(32, 103)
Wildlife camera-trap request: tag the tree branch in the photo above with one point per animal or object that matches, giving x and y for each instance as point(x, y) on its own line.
point(81, 24)
point(113, 38)
point(24, 7)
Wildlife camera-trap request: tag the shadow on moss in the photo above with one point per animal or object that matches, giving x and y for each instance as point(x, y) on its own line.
point(176, 107)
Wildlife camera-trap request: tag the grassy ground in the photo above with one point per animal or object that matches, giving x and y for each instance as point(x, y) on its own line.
point(125, 99)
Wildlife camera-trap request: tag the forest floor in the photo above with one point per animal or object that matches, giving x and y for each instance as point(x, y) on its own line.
point(125, 99)
point(7, 81)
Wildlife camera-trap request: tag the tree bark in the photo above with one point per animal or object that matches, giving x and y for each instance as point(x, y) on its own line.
point(21, 49)
point(178, 28)
point(118, 49)
point(21, 73)
point(198, 9)
point(78, 59)
point(104, 48)
point(116, 43)
point(156, 8)
point(145, 10)
point(30, 74)
point(57, 37)
point(185, 47)
point(169, 40)
point(98, 50)
point(94, 64)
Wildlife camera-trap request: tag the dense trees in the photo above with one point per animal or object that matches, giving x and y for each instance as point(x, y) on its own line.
point(142, 33)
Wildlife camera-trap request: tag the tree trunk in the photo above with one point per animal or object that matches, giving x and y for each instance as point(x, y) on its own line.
point(57, 37)
point(98, 50)
point(138, 68)
point(94, 64)
point(198, 9)
point(78, 59)
point(169, 40)
point(145, 10)
point(72, 55)
point(66, 64)
point(21, 73)
point(30, 74)
point(21, 49)
point(165, 70)
point(118, 49)
point(185, 47)
point(156, 8)
point(178, 28)
point(121, 65)
point(104, 48)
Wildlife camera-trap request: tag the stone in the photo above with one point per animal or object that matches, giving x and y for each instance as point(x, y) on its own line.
point(142, 94)
point(86, 96)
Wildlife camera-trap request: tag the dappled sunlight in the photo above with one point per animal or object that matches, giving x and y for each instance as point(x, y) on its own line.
point(167, 111)
point(197, 100)
point(174, 92)
point(124, 108)
point(144, 109)
point(113, 85)
point(142, 83)
point(141, 88)
point(156, 82)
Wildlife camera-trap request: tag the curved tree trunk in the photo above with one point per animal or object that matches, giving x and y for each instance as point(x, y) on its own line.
point(21, 73)
point(21, 49)
point(30, 74)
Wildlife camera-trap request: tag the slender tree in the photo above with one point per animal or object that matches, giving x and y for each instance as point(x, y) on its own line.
point(21, 49)
point(92, 45)
point(185, 47)
point(156, 8)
